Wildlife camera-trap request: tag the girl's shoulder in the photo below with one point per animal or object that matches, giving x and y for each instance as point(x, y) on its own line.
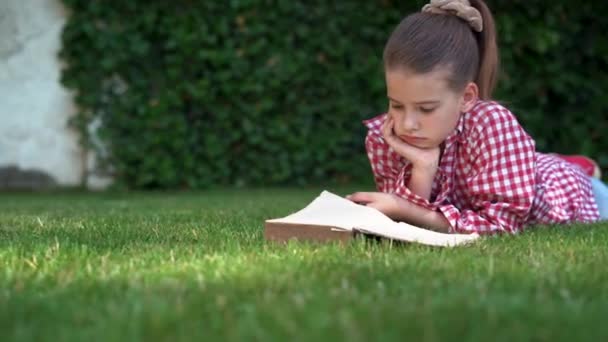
point(488, 111)
point(486, 116)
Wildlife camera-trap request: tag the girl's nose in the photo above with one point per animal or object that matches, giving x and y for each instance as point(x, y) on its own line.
point(410, 123)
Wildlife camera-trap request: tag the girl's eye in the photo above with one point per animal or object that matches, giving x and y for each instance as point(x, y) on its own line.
point(427, 110)
point(395, 106)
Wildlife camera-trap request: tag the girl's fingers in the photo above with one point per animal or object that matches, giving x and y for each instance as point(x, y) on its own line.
point(375, 206)
point(387, 129)
point(362, 197)
point(388, 124)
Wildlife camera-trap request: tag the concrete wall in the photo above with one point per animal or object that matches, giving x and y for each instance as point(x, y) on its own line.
point(36, 146)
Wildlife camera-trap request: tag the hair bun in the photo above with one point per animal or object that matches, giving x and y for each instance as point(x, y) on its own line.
point(459, 8)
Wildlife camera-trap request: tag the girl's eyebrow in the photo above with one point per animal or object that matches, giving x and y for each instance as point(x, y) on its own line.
point(417, 103)
point(427, 102)
point(392, 99)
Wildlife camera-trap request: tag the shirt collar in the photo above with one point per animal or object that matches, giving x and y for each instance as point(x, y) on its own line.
point(456, 135)
point(375, 124)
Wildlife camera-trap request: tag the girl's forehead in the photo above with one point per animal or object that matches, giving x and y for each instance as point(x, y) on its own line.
point(416, 86)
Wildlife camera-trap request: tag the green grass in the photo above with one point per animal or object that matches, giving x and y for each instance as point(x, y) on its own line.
point(177, 266)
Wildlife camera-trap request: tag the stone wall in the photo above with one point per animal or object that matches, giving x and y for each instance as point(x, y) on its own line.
point(36, 146)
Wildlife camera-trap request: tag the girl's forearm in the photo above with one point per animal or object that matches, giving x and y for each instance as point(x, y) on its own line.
point(421, 182)
point(422, 217)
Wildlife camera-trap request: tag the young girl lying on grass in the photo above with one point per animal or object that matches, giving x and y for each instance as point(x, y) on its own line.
point(448, 158)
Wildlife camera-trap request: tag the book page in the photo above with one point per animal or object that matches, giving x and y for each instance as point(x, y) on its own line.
point(407, 232)
point(329, 209)
point(332, 210)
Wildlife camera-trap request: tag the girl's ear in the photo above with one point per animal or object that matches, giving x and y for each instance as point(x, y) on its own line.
point(469, 97)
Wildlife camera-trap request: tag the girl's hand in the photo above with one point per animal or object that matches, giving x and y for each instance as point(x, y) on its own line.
point(426, 159)
point(390, 205)
point(399, 209)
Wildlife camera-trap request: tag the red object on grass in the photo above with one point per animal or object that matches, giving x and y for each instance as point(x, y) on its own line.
point(588, 165)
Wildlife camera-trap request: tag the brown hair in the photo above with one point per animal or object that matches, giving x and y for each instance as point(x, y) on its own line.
point(424, 42)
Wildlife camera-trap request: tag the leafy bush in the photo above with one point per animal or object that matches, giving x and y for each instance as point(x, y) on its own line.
point(197, 93)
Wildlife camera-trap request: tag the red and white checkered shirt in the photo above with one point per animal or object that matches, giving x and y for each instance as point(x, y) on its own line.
point(490, 177)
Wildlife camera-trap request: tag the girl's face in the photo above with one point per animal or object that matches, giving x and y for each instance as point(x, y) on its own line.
point(424, 109)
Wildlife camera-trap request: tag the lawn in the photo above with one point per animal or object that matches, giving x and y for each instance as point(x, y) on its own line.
point(178, 266)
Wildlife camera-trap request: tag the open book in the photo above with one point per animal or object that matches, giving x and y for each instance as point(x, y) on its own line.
point(331, 217)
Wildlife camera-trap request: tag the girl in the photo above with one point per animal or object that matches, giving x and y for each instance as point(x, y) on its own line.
point(448, 158)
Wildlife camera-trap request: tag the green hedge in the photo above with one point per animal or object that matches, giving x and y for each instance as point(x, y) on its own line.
point(197, 93)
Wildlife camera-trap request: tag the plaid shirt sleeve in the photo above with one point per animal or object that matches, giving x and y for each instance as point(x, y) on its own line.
point(386, 164)
point(499, 176)
point(391, 171)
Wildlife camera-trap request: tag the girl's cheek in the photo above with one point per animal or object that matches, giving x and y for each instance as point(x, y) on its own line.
point(393, 115)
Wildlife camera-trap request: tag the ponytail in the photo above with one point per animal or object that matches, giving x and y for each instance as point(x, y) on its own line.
point(488, 52)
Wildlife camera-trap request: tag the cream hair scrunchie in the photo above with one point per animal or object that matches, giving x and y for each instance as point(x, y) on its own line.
point(460, 8)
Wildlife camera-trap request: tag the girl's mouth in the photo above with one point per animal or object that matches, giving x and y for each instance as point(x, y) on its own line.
point(411, 139)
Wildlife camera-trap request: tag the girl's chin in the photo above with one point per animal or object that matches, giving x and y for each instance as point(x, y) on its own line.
point(425, 146)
